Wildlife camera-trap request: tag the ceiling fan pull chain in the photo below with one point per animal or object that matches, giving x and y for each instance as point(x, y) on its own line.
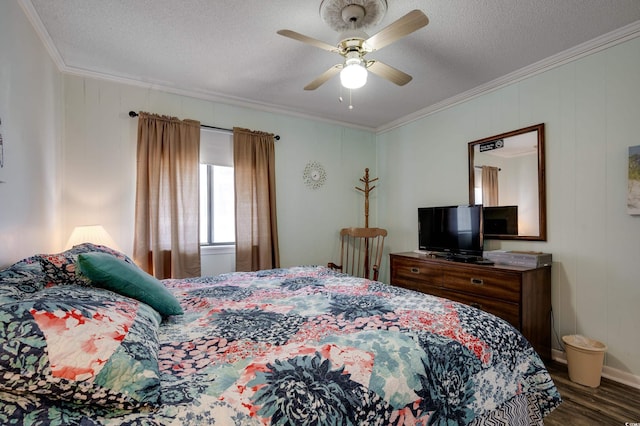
point(350, 103)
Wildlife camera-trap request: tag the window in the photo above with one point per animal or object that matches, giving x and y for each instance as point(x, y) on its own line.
point(217, 201)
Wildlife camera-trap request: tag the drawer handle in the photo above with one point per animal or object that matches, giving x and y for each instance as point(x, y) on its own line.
point(476, 305)
point(415, 270)
point(476, 281)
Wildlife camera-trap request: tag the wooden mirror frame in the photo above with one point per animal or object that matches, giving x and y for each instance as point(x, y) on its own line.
point(542, 204)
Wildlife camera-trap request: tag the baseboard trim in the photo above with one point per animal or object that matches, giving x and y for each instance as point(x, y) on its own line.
point(607, 372)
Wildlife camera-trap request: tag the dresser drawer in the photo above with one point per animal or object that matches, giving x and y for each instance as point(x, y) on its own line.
point(421, 286)
point(491, 284)
point(404, 271)
point(509, 312)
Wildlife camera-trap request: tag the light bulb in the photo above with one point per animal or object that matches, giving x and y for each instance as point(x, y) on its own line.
point(354, 74)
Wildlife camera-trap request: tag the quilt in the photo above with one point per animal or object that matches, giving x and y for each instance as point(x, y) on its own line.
point(301, 345)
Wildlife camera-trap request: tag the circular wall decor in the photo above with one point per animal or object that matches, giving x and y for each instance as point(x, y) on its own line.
point(314, 175)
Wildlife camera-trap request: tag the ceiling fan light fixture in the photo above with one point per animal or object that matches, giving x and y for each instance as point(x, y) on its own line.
point(354, 74)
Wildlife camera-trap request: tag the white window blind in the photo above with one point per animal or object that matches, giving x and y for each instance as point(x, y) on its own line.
point(216, 147)
point(217, 217)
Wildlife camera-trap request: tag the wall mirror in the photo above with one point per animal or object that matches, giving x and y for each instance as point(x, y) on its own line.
point(506, 176)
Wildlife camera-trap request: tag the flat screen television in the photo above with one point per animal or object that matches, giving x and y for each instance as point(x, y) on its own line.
point(501, 220)
point(451, 231)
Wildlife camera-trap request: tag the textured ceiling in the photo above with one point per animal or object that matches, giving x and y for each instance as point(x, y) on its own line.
point(229, 50)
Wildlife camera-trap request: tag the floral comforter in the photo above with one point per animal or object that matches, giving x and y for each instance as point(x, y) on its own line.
point(303, 345)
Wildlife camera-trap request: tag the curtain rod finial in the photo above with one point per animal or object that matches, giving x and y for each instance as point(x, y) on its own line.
point(133, 114)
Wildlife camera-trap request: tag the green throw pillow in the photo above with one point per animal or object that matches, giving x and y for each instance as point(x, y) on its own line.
point(109, 272)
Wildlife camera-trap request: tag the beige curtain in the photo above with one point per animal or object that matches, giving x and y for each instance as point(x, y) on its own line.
point(167, 240)
point(489, 186)
point(255, 186)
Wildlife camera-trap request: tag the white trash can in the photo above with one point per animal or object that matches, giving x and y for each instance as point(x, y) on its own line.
point(584, 359)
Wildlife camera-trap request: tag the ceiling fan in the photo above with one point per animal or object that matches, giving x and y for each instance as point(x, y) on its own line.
point(349, 17)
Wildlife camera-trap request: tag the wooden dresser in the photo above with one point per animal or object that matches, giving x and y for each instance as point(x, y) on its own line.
point(519, 295)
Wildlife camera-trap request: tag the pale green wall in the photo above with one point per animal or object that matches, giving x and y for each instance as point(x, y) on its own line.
point(591, 109)
point(100, 152)
point(31, 111)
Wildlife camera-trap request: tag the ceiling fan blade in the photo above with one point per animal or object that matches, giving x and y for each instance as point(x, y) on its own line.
point(309, 40)
point(323, 77)
point(388, 72)
point(404, 26)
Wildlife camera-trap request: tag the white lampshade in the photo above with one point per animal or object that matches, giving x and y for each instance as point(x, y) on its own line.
point(354, 74)
point(95, 234)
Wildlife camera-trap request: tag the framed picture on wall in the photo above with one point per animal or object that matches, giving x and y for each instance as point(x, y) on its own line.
point(633, 186)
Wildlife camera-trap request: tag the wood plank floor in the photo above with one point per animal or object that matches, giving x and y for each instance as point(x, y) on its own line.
point(610, 404)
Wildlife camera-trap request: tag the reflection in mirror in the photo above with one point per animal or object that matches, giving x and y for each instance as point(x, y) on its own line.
point(506, 176)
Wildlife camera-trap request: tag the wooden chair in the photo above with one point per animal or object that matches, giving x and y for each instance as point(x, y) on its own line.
point(360, 252)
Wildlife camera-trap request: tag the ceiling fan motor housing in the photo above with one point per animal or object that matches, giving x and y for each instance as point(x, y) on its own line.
point(353, 41)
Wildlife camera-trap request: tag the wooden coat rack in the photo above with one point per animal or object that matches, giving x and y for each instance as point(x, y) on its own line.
point(365, 179)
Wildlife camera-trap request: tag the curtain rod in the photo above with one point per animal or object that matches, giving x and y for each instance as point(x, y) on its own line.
point(134, 114)
point(479, 167)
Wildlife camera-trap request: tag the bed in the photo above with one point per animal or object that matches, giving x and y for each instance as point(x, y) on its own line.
point(302, 345)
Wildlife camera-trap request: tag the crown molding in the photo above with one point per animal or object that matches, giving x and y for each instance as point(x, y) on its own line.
point(205, 95)
point(590, 47)
point(42, 32)
point(46, 39)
